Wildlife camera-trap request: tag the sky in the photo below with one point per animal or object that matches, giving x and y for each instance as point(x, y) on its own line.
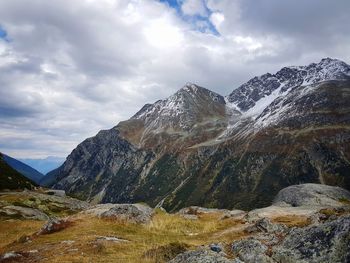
point(71, 68)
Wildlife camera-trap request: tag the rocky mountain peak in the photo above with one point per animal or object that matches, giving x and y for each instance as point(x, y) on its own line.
point(182, 109)
point(254, 95)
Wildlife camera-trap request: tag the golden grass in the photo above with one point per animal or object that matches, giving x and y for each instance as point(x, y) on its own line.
point(293, 221)
point(12, 230)
point(159, 236)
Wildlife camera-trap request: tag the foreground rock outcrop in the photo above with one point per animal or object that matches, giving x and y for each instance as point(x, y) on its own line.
point(38, 205)
point(321, 234)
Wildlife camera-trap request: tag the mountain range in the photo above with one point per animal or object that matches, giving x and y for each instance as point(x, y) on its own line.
point(44, 165)
point(22, 168)
point(236, 151)
point(11, 179)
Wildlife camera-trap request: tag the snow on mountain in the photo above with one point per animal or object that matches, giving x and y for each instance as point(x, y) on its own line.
point(181, 110)
point(254, 96)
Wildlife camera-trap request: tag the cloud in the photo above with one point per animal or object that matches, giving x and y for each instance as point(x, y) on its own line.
point(71, 68)
point(194, 7)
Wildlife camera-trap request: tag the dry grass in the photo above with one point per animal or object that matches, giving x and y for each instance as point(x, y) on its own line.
point(150, 242)
point(293, 221)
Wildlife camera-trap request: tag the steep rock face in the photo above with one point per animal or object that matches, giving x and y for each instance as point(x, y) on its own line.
point(104, 163)
point(198, 148)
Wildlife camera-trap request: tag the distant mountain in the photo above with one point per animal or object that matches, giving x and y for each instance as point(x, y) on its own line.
point(23, 169)
point(44, 165)
point(200, 148)
point(11, 179)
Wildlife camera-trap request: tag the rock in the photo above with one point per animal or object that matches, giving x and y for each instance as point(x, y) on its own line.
point(98, 210)
point(251, 251)
point(328, 242)
point(200, 256)
point(40, 206)
point(23, 212)
point(265, 225)
point(54, 225)
point(274, 212)
point(216, 247)
point(235, 214)
point(134, 213)
point(314, 195)
point(197, 210)
point(111, 239)
point(10, 256)
point(60, 193)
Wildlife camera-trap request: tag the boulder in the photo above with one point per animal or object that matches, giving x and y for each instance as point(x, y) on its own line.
point(251, 251)
point(60, 193)
point(312, 195)
point(134, 213)
point(328, 242)
point(265, 225)
point(98, 210)
point(54, 225)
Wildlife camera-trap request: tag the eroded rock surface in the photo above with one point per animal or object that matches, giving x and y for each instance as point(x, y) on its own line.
point(135, 213)
point(311, 195)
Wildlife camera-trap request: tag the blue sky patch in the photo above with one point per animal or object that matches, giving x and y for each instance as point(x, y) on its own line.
point(198, 22)
point(3, 34)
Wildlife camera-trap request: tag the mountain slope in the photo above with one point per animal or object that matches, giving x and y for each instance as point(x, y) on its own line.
point(23, 169)
point(11, 179)
point(199, 148)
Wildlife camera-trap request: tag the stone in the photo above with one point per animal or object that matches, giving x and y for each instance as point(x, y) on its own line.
point(318, 195)
point(251, 251)
point(54, 225)
point(265, 225)
point(216, 247)
point(133, 213)
point(60, 193)
point(327, 242)
point(23, 212)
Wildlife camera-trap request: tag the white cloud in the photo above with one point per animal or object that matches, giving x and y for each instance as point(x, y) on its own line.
point(75, 67)
point(194, 7)
point(217, 19)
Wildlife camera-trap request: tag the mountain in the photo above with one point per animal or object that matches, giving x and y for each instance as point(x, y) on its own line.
point(44, 165)
point(200, 148)
point(11, 179)
point(23, 169)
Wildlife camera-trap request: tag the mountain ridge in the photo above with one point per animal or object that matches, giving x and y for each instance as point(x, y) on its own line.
point(200, 148)
point(24, 169)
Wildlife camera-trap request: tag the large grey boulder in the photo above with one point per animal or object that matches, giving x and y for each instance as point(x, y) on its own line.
point(98, 210)
point(134, 213)
point(311, 195)
point(328, 243)
point(251, 251)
